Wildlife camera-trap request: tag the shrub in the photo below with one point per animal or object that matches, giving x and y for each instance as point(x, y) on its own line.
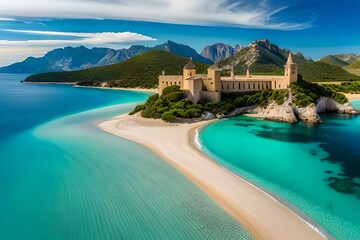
point(138, 108)
point(170, 89)
point(174, 96)
point(167, 116)
point(306, 93)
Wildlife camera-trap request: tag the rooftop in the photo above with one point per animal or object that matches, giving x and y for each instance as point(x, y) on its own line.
point(190, 65)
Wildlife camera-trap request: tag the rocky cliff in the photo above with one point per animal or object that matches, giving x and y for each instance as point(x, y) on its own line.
point(288, 112)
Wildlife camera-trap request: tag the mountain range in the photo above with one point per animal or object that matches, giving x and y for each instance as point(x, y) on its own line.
point(140, 71)
point(219, 51)
point(260, 56)
point(77, 58)
point(264, 57)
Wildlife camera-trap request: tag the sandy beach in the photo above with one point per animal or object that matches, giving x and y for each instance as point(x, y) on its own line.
point(352, 96)
point(264, 215)
point(147, 90)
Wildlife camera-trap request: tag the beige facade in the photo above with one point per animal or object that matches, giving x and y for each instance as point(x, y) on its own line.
point(208, 87)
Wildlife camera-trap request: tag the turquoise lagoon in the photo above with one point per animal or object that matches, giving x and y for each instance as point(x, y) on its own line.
point(296, 162)
point(62, 178)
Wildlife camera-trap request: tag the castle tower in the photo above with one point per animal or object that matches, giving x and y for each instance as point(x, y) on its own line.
point(214, 81)
point(189, 70)
point(291, 70)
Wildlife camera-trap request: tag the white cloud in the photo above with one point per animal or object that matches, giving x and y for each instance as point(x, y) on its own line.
point(79, 38)
point(245, 13)
point(14, 50)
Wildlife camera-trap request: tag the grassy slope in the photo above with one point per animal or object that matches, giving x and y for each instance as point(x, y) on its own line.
point(323, 72)
point(333, 60)
point(140, 71)
point(354, 68)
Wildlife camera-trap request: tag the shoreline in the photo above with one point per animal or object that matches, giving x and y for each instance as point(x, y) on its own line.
point(264, 215)
point(147, 90)
point(56, 83)
point(352, 97)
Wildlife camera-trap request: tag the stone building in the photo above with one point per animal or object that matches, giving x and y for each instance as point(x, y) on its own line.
point(208, 87)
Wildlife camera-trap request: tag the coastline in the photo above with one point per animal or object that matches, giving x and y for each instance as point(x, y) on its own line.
point(265, 216)
point(56, 83)
point(150, 90)
point(147, 90)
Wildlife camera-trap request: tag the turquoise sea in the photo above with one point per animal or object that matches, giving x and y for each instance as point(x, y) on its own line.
point(62, 178)
point(297, 162)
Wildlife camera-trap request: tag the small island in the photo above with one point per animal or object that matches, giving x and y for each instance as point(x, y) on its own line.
point(286, 98)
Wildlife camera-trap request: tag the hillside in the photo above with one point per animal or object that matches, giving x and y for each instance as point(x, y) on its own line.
point(78, 58)
point(354, 68)
point(341, 60)
point(323, 72)
point(140, 71)
point(333, 60)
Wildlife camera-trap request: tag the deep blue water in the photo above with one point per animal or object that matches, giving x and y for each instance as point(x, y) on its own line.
point(314, 167)
point(63, 178)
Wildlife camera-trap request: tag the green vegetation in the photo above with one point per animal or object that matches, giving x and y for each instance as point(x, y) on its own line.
point(140, 71)
point(262, 98)
point(345, 87)
point(354, 68)
point(306, 93)
point(273, 64)
point(323, 72)
point(172, 104)
point(334, 60)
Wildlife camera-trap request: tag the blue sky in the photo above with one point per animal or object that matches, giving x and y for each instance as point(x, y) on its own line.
point(313, 27)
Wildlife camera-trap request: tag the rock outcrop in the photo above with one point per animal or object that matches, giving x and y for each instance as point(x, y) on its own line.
point(325, 104)
point(288, 112)
point(308, 114)
point(274, 112)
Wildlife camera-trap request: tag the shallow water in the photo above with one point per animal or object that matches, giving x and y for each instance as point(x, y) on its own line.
point(62, 178)
point(297, 162)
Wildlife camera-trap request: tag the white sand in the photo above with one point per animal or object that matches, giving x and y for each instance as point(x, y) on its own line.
point(148, 90)
point(263, 215)
point(352, 96)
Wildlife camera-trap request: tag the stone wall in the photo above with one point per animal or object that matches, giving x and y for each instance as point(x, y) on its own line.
point(193, 92)
point(245, 86)
point(169, 80)
point(210, 96)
